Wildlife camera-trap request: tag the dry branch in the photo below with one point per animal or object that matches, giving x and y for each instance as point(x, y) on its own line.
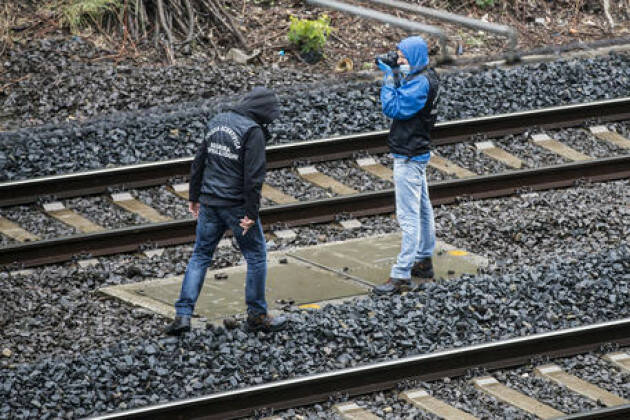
point(191, 21)
point(611, 22)
point(171, 23)
point(165, 26)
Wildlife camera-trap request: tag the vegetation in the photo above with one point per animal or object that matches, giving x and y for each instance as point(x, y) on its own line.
point(7, 19)
point(309, 35)
point(168, 23)
point(82, 12)
point(484, 3)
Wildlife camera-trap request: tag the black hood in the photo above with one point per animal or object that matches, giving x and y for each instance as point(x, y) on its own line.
point(261, 105)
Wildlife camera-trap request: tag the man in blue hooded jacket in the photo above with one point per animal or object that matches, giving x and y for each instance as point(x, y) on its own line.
point(410, 99)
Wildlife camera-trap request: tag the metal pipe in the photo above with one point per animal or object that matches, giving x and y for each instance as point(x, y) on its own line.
point(406, 24)
point(503, 30)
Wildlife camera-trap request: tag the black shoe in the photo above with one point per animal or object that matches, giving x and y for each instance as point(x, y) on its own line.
point(393, 285)
point(423, 269)
point(180, 325)
point(266, 323)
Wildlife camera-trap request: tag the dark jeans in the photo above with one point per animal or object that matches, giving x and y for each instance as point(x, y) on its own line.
point(211, 224)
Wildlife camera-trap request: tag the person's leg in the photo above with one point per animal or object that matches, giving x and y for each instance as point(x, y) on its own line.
point(210, 228)
point(408, 185)
point(254, 249)
point(427, 221)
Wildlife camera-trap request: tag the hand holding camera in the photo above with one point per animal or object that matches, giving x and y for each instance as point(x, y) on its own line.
point(389, 59)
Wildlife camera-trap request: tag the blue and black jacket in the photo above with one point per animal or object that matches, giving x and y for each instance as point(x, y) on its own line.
point(411, 103)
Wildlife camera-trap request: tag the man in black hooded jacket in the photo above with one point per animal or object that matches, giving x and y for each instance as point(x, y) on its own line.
point(225, 183)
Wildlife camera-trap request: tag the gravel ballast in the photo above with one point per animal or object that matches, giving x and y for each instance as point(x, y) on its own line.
point(583, 281)
point(101, 210)
point(460, 392)
point(472, 309)
point(309, 111)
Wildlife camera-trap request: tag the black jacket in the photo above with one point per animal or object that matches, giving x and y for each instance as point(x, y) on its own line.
point(412, 137)
point(229, 167)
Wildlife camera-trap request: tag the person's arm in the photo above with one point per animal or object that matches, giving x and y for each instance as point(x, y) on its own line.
point(404, 102)
point(196, 172)
point(254, 165)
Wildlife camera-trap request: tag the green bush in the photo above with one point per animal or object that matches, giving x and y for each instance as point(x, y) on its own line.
point(79, 12)
point(309, 35)
point(484, 3)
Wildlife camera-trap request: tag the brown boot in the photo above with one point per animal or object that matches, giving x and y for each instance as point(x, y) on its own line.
point(423, 269)
point(266, 323)
point(180, 325)
point(393, 285)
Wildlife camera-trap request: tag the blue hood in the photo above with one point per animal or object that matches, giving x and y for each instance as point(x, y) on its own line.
point(415, 50)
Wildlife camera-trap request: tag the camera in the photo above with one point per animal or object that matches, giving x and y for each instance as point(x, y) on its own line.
point(390, 58)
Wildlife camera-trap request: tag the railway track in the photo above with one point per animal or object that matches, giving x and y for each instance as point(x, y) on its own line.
point(445, 133)
point(97, 241)
point(429, 367)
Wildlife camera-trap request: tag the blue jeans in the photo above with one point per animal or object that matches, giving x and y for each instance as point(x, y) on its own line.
point(415, 216)
point(211, 224)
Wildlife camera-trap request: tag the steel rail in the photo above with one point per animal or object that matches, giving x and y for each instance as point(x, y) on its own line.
point(178, 232)
point(385, 375)
point(444, 133)
point(620, 412)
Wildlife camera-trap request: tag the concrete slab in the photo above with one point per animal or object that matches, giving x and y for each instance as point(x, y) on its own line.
point(619, 359)
point(70, 218)
point(602, 133)
point(294, 281)
point(181, 190)
point(424, 401)
point(276, 195)
point(307, 276)
point(351, 411)
point(370, 165)
point(312, 175)
point(448, 167)
point(515, 398)
point(543, 140)
point(369, 260)
point(129, 203)
point(496, 153)
point(14, 231)
point(575, 384)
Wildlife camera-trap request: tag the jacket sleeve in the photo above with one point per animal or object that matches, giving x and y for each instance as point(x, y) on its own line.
point(405, 101)
point(254, 166)
point(196, 172)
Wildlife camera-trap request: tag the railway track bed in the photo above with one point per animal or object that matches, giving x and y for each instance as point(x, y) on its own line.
point(470, 362)
point(131, 351)
point(476, 394)
point(347, 186)
point(137, 367)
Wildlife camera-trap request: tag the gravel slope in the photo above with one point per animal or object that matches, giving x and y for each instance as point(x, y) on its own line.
point(309, 111)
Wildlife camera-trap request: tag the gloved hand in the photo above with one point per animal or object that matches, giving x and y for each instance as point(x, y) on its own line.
point(389, 73)
point(385, 68)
